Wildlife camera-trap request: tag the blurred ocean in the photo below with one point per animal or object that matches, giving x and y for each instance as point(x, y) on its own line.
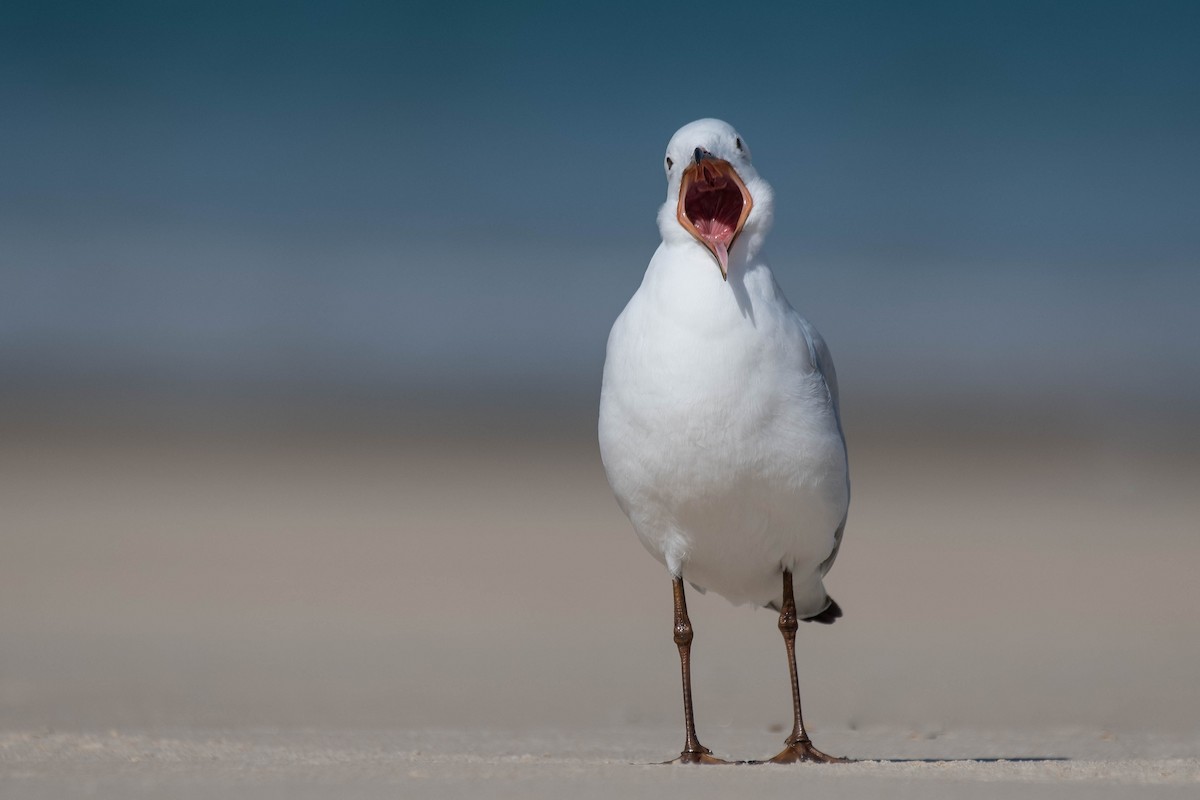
point(980, 205)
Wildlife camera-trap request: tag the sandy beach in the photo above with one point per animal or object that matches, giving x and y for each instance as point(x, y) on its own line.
point(290, 612)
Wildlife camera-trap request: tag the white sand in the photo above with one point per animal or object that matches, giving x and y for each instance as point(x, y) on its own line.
point(307, 616)
point(582, 763)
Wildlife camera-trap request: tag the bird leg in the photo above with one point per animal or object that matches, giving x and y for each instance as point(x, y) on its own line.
point(693, 751)
point(797, 747)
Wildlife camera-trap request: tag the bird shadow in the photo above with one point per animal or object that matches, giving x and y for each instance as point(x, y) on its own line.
point(737, 282)
point(988, 760)
point(980, 760)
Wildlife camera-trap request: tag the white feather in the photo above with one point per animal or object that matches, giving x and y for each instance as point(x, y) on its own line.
point(719, 427)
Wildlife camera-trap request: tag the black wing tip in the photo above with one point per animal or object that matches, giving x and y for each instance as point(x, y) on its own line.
point(831, 614)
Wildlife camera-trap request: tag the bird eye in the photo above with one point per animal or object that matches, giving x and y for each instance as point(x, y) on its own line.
point(670, 163)
point(738, 143)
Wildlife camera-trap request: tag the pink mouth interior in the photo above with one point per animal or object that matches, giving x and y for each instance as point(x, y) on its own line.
point(713, 204)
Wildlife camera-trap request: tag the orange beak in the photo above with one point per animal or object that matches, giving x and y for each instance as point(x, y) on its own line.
point(713, 205)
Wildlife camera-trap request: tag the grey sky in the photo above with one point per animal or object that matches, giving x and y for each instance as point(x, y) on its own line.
point(416, 196)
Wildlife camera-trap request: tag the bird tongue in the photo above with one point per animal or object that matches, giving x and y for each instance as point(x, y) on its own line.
point(722, 256)
point(713, 205)
point(717, 234)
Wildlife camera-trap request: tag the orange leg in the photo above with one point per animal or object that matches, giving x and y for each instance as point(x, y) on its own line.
point(797, 747)
point(693, 751)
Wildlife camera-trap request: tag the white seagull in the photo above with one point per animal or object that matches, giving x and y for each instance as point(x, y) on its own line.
point(719, 424)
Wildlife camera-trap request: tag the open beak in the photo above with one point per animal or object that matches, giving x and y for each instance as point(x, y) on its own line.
point(713, 205)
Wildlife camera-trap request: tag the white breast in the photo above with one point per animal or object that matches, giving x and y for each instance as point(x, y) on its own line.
point(718, 432)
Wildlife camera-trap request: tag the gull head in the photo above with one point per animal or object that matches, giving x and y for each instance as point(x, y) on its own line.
point(714, 196)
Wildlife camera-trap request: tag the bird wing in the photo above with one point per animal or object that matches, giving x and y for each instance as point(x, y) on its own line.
point(819, 353)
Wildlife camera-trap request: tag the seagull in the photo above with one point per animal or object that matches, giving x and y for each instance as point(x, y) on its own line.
point(719, 426)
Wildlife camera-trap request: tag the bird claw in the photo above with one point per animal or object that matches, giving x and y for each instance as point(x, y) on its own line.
point(701, 756)
point(803, 751)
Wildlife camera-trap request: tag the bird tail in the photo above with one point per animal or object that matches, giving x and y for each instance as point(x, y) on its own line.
point(828, 616)
point(831, 614)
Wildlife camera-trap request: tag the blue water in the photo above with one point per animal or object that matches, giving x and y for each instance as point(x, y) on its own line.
point(989, 199)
